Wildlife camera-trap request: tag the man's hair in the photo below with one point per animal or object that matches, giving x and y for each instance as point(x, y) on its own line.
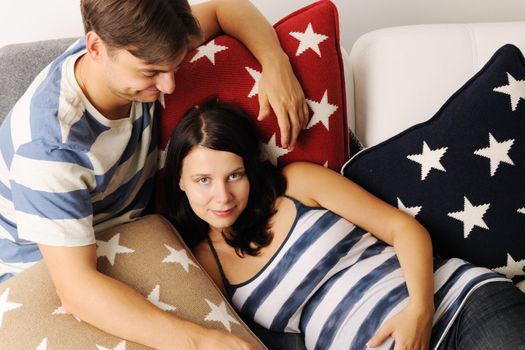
point(223, 127)
point(156, 31)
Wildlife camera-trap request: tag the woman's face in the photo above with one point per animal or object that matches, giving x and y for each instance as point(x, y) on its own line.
point(216, 185)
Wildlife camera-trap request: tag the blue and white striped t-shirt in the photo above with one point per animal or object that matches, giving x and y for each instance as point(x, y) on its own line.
point(337, 284)
point(66, 171)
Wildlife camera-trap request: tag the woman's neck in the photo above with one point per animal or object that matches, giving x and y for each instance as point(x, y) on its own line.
point(219, 234)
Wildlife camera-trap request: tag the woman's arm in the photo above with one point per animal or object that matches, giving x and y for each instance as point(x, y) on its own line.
point(316, 185)
point(278, 86)
point(119, 310)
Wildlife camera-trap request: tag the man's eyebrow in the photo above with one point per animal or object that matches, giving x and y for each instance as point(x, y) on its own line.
point(154, 69)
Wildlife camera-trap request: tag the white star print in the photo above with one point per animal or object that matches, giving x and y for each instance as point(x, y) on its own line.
point(42, 345)
point(429, 159)
point(497, 152)
point(471, 216)
point(179, 257)
point(220, 314)
point(120, 346)
point(515, 89)
point(256, 75)
point(62, 311)
point(111, 248)
point(209, 50)
point(154, 298)
point(521, 210)
point(272, 152)
point(521, 286)
point(308, 40)
point(513, 268)
point(410, 210)
point(6, 306)
point(322, 111)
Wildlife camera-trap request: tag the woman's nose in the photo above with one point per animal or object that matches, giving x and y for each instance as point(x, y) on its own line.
point(222, 193)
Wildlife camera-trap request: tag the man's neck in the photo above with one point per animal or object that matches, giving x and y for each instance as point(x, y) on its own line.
point(92, 84)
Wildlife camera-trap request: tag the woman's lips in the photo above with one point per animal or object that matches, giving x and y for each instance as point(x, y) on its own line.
point(222, 213)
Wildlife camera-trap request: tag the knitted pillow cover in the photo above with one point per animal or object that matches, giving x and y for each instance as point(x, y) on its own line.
point(147, 255)
point(462, 173)
point(223, 67)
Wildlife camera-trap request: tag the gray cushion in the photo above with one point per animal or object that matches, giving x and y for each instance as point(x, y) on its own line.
point(20, 63)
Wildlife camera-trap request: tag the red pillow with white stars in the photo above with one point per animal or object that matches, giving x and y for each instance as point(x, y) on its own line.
point(225, 68)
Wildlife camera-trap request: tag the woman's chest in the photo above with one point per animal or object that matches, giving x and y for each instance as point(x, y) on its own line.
point(240, 269)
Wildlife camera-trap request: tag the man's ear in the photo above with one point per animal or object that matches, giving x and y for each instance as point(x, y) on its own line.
point(94, 45)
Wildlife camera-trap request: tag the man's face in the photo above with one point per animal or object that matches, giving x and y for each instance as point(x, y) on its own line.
point(133, 79)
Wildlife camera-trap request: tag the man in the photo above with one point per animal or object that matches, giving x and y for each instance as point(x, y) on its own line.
point(87, 126)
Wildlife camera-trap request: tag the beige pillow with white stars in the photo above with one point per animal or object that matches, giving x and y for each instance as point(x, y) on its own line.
point(146, 254)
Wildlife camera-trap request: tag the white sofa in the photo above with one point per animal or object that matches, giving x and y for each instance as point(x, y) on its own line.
point(401, 76)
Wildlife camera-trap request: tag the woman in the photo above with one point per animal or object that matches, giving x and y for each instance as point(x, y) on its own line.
point(306, 250)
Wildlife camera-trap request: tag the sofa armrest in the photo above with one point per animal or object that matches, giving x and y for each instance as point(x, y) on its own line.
point(402, 75)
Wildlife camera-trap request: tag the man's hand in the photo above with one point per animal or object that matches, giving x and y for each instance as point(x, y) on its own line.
point(278, 86)
point(280, 90)
point(213, 340)
point(410, 328)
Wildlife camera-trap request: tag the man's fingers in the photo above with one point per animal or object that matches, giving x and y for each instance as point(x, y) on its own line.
point(306, 115)
point(284, 127)
point(292, 116)
point(264, 106)
point(296, 127)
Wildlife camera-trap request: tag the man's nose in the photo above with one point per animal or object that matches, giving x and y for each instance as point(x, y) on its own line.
point(166, 82)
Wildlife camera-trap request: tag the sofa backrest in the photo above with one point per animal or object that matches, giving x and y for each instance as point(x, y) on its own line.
point(402, 75)
point(20, 63)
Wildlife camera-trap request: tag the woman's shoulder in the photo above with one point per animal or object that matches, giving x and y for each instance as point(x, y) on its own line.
point(299, 167)
point(303, 180)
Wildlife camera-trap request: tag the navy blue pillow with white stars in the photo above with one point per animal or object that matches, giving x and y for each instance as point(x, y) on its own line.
point(462, 173)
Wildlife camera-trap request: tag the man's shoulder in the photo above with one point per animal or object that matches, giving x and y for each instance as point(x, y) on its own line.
point(52, 93)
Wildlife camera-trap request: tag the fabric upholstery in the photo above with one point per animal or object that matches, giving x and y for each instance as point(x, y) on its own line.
point(402, 75)
point(19, 65)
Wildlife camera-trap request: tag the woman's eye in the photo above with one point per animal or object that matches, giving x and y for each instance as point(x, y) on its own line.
point(235, 176)
point(204, 180)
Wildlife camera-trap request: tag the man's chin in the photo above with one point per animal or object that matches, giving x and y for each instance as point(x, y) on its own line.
point(147, 97)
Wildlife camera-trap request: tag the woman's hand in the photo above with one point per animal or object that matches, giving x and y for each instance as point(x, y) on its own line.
point(280, 89)
point(410, 328)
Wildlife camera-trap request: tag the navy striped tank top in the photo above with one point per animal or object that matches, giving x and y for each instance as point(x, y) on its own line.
point(337, 284)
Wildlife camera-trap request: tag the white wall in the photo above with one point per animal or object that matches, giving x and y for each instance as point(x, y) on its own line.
point(29, 20)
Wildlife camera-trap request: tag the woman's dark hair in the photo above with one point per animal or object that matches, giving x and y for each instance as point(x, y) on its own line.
point(223, 127)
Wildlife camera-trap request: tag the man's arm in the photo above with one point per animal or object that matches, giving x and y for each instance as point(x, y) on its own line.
point(278, 86)
point(119, 310)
